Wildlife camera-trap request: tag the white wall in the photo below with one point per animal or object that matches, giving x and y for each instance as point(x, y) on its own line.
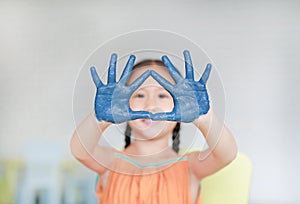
point(254, 44)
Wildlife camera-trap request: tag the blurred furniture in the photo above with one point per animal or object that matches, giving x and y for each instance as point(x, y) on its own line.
point(44, 176)
point(230, 185)
point(9, 170)
point(74, 182)
point(41, 181)
point(78, 184)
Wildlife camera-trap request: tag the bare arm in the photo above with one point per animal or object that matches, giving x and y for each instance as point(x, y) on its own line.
point(221, 150)
point(111, 104)
point(84, 144)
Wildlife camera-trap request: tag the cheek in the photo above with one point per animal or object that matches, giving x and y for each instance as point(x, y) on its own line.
point(131, 123)
point(167, 104)
point(136, 104)
point(171, 125)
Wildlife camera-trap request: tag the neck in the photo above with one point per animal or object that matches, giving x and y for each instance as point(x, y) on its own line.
point(151, 148)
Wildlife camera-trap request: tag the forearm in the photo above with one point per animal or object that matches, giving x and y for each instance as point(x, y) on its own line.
point(220, 141)
point(86, 136)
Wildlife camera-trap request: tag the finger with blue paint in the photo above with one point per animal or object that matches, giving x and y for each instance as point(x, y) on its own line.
point(190, 97)
point(112, 100)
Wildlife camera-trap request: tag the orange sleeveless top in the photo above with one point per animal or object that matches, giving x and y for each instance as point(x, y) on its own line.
point(167, 182)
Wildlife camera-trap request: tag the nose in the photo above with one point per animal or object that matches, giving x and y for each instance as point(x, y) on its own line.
point(153, 109)
point(152, 106)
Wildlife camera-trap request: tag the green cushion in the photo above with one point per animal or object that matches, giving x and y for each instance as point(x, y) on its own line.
point(230, 185)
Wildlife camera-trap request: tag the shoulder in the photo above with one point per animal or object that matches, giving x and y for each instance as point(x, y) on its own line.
point(100, 160)
point(203, 163)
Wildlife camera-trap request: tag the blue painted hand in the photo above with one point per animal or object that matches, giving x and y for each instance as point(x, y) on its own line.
point(112, 100)
point(190, 97)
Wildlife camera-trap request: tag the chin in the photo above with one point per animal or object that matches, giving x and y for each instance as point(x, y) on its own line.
point(146, 129)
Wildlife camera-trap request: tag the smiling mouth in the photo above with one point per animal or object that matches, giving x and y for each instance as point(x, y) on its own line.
point(149, 122)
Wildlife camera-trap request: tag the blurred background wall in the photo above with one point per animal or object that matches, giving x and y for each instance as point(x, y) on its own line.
point(255, 45)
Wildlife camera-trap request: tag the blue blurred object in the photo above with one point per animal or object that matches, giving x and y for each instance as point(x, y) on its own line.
point(190, 97)
point(112, 100)
point(42, 178)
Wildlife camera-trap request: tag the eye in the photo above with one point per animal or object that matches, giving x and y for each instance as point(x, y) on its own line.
point(139, 95)
point(163, 96)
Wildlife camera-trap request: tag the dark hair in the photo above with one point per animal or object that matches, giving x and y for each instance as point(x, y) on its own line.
point(176, 130)
point(148, 62)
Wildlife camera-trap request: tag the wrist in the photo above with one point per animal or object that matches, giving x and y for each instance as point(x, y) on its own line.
point(101, 124)
point(204, 119)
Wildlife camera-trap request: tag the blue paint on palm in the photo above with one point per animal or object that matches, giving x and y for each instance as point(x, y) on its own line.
point(190, 97)
point(112, 100)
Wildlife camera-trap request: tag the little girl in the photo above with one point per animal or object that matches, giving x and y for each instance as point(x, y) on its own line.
point(153, 99)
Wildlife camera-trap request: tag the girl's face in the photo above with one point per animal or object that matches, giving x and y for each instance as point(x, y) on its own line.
point(152, 97)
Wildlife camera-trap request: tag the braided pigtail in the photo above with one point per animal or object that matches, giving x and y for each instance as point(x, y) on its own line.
point(176, 138)
point(127, 136)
